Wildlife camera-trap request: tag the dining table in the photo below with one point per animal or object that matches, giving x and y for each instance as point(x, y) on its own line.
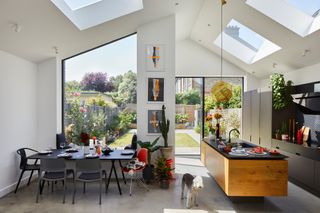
point(79, 154)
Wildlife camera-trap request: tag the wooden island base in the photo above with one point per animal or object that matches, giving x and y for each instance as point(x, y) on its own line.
point(246, 177)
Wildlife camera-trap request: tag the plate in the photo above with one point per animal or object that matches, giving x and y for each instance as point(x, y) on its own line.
point(127, 152)
point(258, 154)
point(238, 154)
point(44, 152)
point(64, 155)
point(92, 156)
point(71, 150)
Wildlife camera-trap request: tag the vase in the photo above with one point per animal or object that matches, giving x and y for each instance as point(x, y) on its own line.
point(167, 152)
point(212, 136)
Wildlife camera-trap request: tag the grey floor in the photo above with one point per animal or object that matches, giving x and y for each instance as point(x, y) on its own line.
point(211, 198)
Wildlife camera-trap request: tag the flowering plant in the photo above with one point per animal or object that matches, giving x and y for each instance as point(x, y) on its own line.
point(163, 168)
point(217, 115)
point(83, 124)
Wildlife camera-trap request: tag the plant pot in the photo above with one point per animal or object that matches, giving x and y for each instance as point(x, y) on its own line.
point(278, 136)
point(148, 173)
point(284, 137)
point(164, 183)
point(167, 152)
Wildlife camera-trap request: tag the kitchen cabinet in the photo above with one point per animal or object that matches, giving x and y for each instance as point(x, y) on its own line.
point(256, 117)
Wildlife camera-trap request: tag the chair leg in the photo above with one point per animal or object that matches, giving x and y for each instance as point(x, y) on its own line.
point(30, 177)
point(84, 187)
point(105, 180)
point(64, 190)
point(52, 186)
point(39, 189)
point(74, 191)
point(100, 191)
point(21, 174)
point(123, 177)
point(42, 185)
point(131, 184)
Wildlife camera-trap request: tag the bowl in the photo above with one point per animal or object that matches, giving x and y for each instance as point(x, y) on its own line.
point(106, 151)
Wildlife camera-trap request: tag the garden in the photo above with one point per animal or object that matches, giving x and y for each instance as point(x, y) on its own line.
point(102, 107)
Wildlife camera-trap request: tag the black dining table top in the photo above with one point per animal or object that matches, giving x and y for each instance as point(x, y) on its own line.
point(114, 155)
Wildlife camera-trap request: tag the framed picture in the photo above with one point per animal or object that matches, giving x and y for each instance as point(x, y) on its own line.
point(155, 58)
point(154, 117)
point(155, 89)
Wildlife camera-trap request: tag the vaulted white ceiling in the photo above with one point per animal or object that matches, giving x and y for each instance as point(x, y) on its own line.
point(41, 27)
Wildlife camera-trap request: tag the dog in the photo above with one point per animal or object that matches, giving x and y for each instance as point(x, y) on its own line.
point(194, 185)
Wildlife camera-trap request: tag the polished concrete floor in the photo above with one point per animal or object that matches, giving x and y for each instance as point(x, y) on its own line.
point(211, 198)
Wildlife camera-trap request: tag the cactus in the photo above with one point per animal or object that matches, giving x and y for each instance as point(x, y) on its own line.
point(164, 126)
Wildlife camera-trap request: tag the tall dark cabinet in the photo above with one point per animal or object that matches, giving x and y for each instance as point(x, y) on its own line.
point(304, 162)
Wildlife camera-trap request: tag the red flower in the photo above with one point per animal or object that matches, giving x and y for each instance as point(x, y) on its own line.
point(82, 109)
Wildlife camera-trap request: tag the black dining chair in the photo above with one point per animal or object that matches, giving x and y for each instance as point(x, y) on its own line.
point(52, 170)
point(88, 170)
point(25, 166)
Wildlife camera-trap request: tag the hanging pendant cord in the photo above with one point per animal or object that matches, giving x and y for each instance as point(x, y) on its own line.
point(221, 38)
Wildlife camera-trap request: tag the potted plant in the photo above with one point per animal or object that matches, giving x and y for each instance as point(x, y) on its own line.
point(284, 131)
point(148, 172)
point(281, 91)
point(163, 171)
point(278, 134)
point(164, 125)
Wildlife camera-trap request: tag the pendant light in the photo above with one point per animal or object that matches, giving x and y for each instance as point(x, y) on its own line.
point(221, 91)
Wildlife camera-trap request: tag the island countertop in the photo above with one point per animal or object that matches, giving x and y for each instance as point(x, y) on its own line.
point(214, 145)
point(248, 176)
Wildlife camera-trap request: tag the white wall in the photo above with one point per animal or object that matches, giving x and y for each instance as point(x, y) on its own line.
point(195, 60)
point(18, 113)
point(47, 103)
point(300, 76)
point(158, 32)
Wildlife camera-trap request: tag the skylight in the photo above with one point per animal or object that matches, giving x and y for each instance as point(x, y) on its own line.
point(244, 43)
point(310, 7)
point(78, 4)
point(88, 13)
point(299, 16)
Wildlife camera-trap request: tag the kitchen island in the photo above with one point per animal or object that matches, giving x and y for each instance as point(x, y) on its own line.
point(247, 176)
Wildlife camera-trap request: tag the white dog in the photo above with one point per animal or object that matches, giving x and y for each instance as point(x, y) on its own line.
point(194, 185)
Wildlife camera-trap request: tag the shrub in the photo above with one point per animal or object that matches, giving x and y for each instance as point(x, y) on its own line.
point(181, 118)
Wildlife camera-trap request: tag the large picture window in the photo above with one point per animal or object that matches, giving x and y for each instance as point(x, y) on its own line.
point(99, 95)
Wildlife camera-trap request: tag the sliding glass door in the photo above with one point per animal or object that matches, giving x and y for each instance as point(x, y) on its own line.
point(194, 103)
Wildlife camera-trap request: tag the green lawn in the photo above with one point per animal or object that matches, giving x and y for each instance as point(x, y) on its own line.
point(185, 140)
point(123, 141)
point(182, 140)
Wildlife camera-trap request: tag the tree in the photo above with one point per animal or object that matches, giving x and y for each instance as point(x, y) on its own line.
point(127, 91)
point(116, 82)
point(97, 81)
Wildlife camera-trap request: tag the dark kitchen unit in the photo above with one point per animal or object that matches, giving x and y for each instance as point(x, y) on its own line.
point(304, 159)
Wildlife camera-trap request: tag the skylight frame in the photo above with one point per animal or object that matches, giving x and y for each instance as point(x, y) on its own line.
point(242, 51)
point(287, 15)
point(98, 13)
point(78, 4)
